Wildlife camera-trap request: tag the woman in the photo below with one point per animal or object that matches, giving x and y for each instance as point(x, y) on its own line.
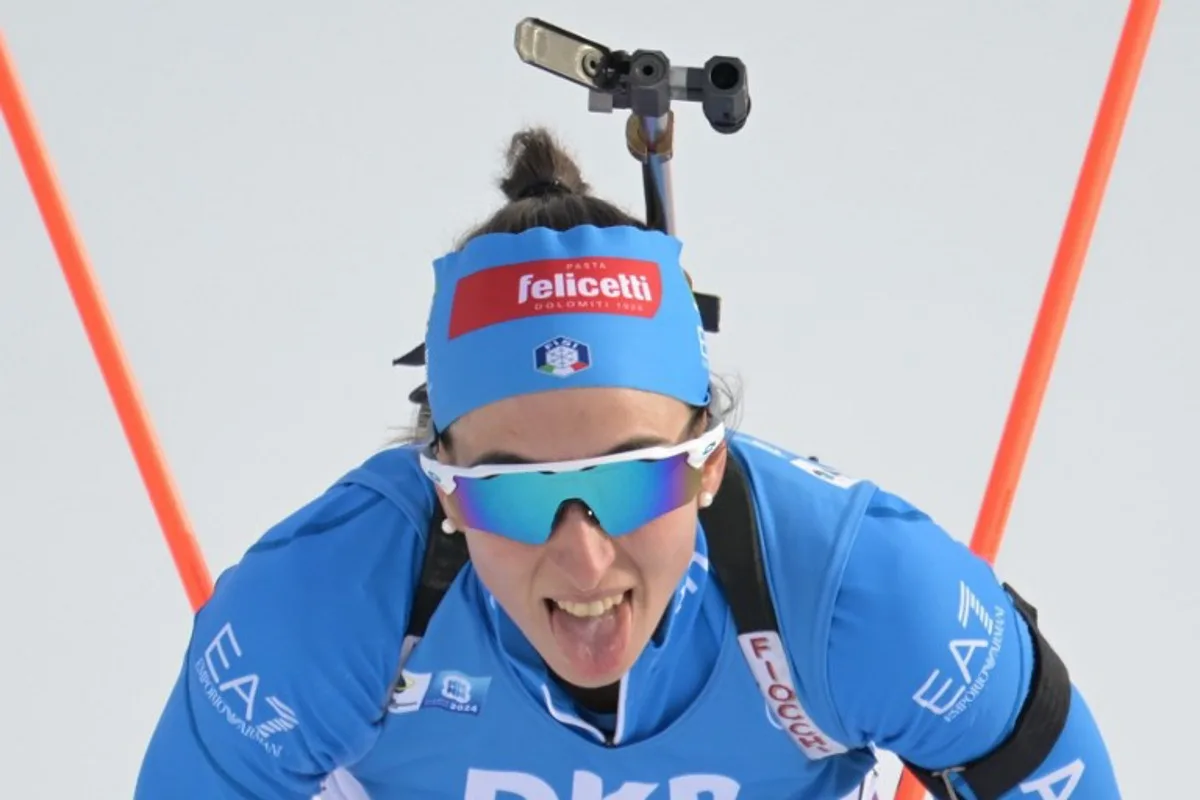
point(654, 606)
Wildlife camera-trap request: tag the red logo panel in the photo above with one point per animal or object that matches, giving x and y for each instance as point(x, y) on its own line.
point(624, 286)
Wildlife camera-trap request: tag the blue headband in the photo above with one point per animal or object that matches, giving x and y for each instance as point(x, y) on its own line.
point(541, 310)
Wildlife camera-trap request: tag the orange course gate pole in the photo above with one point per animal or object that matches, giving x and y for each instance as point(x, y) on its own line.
point(1060, 291)
point(110, 357)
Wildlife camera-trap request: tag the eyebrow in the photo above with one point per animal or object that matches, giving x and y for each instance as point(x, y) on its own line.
point(506, 457)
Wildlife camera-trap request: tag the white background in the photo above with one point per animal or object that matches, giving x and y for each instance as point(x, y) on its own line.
point(261, 187)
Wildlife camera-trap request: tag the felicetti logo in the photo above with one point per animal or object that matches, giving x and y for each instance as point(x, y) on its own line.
point(622, 286)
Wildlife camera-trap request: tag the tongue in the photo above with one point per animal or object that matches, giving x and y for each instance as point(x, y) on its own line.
point(593, 645)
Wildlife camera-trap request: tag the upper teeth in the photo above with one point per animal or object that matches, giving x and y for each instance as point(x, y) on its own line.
point(592, 609)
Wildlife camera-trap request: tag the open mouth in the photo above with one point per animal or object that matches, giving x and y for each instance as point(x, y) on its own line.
point(593, 636)
point(591, 609)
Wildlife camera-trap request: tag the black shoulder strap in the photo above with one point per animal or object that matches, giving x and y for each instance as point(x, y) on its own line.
point(734, 555)
point(1040, 723)
point(445, 555)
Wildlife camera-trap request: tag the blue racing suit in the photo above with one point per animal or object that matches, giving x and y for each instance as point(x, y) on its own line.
point(897, 637)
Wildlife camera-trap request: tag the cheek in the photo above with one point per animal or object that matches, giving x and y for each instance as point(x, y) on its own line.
point(663, 549)
point(503, 565)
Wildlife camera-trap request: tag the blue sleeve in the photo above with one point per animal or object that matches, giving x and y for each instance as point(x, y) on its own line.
point(929, 659)
point(288, 668)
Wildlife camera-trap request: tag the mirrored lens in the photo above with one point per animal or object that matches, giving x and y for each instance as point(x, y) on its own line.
point(623, 496)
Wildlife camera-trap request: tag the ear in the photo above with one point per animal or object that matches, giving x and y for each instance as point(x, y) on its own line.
point(443, 499)
point(447, 507)
point(713, 471)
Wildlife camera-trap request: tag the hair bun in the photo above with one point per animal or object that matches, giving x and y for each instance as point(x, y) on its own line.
point(542, 189)
point(539, 167)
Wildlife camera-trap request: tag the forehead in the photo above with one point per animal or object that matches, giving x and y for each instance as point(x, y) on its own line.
point(568, 424)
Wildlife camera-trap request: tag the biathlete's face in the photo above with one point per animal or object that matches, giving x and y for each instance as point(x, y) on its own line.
point(584, 561)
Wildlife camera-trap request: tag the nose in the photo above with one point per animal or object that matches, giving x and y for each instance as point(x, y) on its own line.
point(580, 548)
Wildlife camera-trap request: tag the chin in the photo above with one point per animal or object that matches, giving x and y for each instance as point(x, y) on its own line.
point(591, 680)
point(594, 679)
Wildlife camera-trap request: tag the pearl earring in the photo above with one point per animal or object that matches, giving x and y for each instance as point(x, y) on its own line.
point(448, 526)
point(706, 499)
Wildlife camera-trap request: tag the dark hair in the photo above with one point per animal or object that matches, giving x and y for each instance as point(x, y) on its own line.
point(545, 188)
